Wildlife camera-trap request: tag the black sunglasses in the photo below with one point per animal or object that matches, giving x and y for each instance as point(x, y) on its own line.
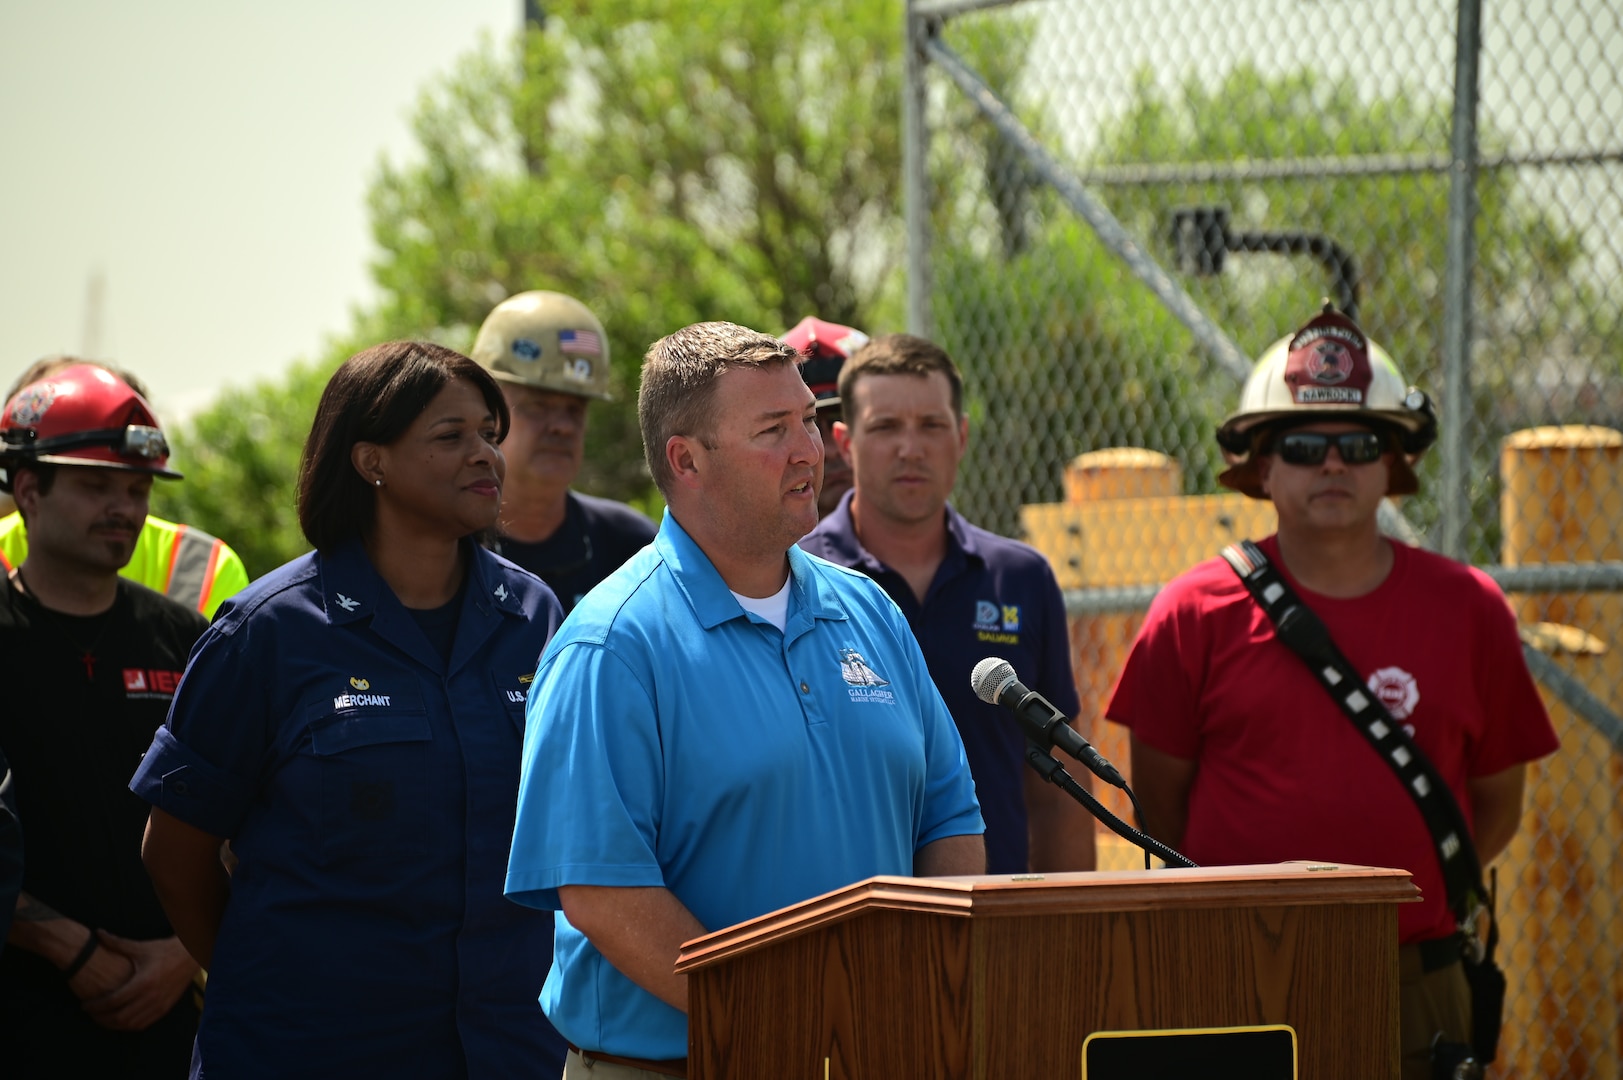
point(1310, 447)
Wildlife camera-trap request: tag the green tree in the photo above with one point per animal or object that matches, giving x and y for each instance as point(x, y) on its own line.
point(665, 162)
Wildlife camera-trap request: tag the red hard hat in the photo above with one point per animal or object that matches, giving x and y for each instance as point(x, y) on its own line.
point(83, 415)
point(825, 347)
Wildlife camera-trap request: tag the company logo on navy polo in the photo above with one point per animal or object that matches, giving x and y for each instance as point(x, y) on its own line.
point(998, 624)
point(863, 683)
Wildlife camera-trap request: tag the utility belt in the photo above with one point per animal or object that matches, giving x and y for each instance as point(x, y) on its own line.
point(1428, 957)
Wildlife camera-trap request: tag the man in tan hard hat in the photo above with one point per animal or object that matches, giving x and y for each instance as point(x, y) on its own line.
point(551, 356)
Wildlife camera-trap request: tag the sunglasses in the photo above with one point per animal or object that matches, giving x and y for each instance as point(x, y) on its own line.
point(1310, 447)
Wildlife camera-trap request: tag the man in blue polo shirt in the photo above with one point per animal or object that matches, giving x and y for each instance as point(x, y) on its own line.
point(726, 725)
point(967, 593)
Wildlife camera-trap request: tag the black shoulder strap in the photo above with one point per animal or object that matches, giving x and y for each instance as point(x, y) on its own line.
point(1304, 634)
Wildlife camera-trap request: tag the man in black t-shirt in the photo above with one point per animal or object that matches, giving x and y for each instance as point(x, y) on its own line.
point(93, 981)
point(551, 356)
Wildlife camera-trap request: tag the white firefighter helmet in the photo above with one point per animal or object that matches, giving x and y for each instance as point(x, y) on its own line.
point(1326, 370)
point(548, 341)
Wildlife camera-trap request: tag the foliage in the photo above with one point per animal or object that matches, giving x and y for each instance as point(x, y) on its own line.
point(241, 460)
point(665, 162)
point(1099, 365)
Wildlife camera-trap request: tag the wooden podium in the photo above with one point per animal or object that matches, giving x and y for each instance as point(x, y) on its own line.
point(989, 977)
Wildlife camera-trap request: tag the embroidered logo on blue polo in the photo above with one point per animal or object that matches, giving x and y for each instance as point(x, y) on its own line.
point(360, 684)
point(863, 683)
point(998, 624)
point(346, 603)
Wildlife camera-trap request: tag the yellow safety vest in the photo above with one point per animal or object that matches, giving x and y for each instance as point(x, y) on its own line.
point(184, 563)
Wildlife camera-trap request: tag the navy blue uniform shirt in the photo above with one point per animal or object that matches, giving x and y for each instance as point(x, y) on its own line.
point(368, 788)
point(596, 538)
point(991, 596)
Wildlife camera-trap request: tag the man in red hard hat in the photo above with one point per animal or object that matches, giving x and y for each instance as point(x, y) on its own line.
point(181, 561)
point(93, 981)
point(825, 347)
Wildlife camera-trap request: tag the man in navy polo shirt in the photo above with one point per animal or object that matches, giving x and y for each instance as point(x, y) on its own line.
point(726, 725)
point(967, 593)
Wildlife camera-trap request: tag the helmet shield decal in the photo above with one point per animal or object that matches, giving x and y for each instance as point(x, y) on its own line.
point(1328, 363)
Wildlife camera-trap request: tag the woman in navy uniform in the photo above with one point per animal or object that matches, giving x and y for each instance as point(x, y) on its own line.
point(352, 724)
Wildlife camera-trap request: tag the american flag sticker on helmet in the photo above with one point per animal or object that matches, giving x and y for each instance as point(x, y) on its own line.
point(580, 343)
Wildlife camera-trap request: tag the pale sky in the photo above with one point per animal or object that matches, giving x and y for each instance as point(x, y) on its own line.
point(211, 161)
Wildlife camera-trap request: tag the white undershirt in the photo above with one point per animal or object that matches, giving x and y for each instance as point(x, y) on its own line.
point(774, 609)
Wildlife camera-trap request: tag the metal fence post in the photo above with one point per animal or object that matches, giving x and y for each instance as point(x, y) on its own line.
point(1454, 501)
point(916, 172)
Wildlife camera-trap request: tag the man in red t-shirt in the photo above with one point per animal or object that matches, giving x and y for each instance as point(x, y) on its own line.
point(1239, 755)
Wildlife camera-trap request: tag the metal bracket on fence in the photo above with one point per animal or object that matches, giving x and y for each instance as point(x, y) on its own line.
point(1110, 232)
point(1550, 577)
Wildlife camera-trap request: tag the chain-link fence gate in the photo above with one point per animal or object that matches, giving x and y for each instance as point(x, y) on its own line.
point(1114, 206)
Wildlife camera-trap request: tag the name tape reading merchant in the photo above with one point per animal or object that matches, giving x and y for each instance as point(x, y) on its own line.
point(727, 725)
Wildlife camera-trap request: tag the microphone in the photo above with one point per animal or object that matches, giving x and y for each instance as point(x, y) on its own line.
point(996, 683)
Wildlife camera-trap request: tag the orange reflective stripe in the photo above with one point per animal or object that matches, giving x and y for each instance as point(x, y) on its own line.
point(215, 555)
point(174, 557)
point(191, 570)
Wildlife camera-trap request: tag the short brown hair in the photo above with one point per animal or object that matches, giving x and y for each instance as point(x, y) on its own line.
point(374, 396)
point(899, 354)
point(679, 383)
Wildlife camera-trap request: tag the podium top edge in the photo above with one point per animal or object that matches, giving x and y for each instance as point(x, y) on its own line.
point(1018, 895)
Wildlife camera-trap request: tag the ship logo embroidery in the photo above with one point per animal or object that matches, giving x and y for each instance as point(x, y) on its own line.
point(856, 672)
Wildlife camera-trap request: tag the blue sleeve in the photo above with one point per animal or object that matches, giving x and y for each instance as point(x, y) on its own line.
point(1055, 679)
point(593, 779)
point(205, 763)
point(950, 806)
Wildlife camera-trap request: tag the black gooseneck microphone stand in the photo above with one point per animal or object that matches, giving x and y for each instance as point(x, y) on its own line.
point(1049, 768)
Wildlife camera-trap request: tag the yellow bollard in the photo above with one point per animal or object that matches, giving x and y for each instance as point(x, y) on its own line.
point(1561, 881)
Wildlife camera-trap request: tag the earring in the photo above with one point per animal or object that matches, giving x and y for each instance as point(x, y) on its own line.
point(379, 483)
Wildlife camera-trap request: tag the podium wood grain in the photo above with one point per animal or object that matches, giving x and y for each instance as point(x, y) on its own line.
point(992, 977)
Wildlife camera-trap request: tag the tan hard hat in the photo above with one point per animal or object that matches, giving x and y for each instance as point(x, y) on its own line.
point(548, 341)
point(1326, 370)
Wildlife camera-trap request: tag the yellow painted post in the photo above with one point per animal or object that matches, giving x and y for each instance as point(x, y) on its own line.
point(1561, 881)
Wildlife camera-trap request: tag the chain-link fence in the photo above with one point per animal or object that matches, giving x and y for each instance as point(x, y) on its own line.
point(1114, 206)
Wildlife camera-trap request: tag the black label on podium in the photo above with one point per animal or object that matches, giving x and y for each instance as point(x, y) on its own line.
point(1236, 1053)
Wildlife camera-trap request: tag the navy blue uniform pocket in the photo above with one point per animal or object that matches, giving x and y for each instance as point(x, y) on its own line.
point(373, 770)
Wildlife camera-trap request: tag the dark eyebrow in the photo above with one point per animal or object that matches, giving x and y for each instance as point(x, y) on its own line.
point(454, 418)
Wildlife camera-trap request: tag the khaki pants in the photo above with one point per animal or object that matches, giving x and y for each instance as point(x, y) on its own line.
point(1429, 1002)
point(577, 1068)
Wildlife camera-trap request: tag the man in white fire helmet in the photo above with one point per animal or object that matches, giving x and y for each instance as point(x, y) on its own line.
point(551, 356)
point(1244, 753)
